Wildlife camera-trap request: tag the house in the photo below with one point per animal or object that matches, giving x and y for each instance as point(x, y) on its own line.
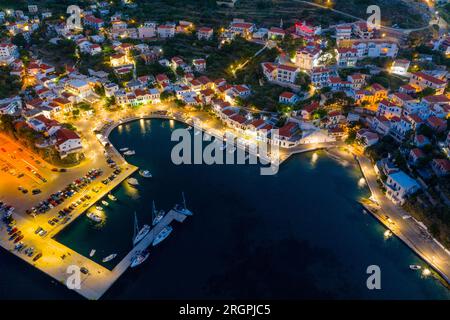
point(400, 67)
point(335, 117)
point(67, 142)
point(286, 74)
point(389, 109)
point(162, 79)
point(147, 31)
point(421, 141)
point(422, 80)
point(79, 88)
point(337, 132)
point(357, 80)
point(199, 65)
point(415, 155)
point(166, 31)
point(118, 60)
point(205, 33)
point(381, 125)
point(367, 137)
point(306, 30)
point(436, 124)
point(320, 77)
point(276, 33)
point(242, 28)
point(346, 57)
point(288, 98)
point(93, 22)
point(399, 186)
point(307, 111)
point(343, 32)
point(307, 58)
point(242, 91)
point(441, 167)
point(94, 49)
point(363, 30)
point(63, 103)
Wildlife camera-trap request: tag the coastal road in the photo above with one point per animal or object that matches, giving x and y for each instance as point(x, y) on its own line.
point(408, 230)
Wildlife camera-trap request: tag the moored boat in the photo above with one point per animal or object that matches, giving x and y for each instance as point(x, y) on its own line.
point(139, 258)
point(91, 254)
point(99, 208)
point(129, 153)
point(139, 234)
point(111, 197)
point(157, 215)
point(94, 217)
point(123, 149)
point(181, 208)
point(145, 173)
point(105, 203)
point(133, 182)
point(415, 267)
point(162, 235)
point(109, 258)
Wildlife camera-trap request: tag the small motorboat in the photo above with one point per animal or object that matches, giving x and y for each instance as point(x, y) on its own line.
point(129, 153)
point(99, 208)
point(388, 234)
point(123, 149)
point(415, 267)
point(111, 197)
point(133, 182)
point(139, 258)
point(91, 254)
point(145, 173)
point(109, 258)
point(94, 217)
point(105, 203)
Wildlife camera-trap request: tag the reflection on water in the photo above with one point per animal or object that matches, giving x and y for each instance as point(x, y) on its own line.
point(314, 158)
point(120, 128)
point(131, 191)
point(361, 183)
point(171, 124)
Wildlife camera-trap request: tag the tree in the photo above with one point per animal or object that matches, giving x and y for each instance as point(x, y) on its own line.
point(19, 40)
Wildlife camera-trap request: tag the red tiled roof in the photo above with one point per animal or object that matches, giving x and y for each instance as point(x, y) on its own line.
point(429, 78)
point(62, 135)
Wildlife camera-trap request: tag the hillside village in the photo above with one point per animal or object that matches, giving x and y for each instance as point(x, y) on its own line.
point(366, 87)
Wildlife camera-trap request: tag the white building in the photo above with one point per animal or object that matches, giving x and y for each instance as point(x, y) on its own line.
point(166, 31)
point(399, 185)
point(67, 142)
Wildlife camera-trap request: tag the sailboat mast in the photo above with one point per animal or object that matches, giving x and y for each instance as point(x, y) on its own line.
point(136, 227)
point(184, 200)
point(154, 210)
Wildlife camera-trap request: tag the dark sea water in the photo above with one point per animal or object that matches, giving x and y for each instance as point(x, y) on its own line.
point(298, 234)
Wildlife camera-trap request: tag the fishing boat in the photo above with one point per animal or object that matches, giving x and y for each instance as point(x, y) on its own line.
point(163, 234)
point(91, 254)
point(133, 182)
point(105, 203)
point(129, 153)
point(139, 234)
point(111, 197)
point(109, 258)
point(139, 258)
point(123, 149)
point(94, 217)
point(414, 267)
point(181, 208)
point(145, 173)
point(99, 208)
point(157, 215)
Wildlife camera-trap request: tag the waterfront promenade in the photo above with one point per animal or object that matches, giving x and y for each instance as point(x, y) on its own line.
point(403, 226)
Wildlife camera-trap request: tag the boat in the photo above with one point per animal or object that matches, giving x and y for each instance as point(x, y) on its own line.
point(133, 182)
point(157, 215)
point(99, 208)
point(109, 258)
point(145, 173)
point(387, 233)
point(181, 208)
point(91, 254)
point(139, 234)
point(129, 153)
point(163, 234)
point(94, 217)
point(105, 203)
point(123, 149)
point(139, 258)
point(414, 267)
point(111, 197)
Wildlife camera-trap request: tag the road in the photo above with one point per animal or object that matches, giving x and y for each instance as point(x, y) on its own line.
point(408, 230)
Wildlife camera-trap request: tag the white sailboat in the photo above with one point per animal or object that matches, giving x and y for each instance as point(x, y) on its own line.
point(157, 215)
point(181, 208)
point(163, 234)
point(139, 258)
point(139, 234)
